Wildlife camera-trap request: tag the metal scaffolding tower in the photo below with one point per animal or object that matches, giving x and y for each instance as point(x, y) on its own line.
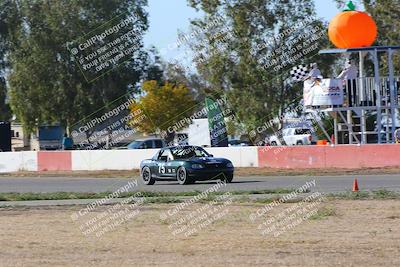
point(376, 94)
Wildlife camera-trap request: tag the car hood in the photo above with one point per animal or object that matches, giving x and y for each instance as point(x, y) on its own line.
point(206, 160)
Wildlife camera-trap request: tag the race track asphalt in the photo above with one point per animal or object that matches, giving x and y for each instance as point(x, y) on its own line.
point(325, 184)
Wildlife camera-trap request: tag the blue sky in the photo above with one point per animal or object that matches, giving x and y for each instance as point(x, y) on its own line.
point(168, 16)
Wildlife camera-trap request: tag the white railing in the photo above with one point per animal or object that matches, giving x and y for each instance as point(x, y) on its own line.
point(362, 92)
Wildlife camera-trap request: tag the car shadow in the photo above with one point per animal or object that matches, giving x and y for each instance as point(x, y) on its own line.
point(166, 182)
point(215, 182)
point(233, 182)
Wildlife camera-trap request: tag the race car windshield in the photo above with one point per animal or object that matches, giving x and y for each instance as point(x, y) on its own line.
point(189, 152)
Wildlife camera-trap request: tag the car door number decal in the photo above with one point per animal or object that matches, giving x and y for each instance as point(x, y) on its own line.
point(161, 168)
point(165, 168)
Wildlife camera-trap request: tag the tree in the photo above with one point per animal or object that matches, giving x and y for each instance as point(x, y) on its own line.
point(155, 67)
point(177, 74)
point(46, 83)
point(387, 17)
point(386, 14)
point(174, 72)
point(7, 20)
point(5, 113)
point(162, 108)
point(236, 42)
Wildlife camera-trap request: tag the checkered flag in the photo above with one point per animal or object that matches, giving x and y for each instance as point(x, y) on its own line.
point(300, 72)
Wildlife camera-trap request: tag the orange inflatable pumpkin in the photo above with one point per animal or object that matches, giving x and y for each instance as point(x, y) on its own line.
point(351, 29)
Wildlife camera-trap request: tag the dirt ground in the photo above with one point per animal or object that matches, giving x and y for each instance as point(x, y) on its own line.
point(353, 233)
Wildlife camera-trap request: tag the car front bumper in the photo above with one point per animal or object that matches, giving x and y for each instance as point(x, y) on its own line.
point(210, 174)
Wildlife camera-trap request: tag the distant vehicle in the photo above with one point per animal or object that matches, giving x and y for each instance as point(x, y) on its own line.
point(237, 142)
point(185, 164)
point(50, 137)
point(147, 143)
point(294, 136)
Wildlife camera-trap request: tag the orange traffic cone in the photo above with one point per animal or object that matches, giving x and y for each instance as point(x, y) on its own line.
point(355, 185)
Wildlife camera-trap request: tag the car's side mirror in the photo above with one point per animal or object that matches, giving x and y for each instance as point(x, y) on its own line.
point(211, 155)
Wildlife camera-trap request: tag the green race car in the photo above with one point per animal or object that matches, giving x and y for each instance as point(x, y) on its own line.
point(185, 164)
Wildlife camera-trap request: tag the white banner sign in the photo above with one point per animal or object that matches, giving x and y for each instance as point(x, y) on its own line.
point(325, 92)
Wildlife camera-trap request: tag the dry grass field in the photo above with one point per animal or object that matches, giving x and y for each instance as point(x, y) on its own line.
point(352, 233)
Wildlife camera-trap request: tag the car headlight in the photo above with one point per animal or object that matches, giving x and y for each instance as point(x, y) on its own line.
point(229, 165)
point(197, 166)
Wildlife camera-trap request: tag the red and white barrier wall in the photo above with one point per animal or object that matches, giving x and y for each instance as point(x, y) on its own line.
point(342, 156)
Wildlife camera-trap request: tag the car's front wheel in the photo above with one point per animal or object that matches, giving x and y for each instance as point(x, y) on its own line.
point(228, 178)
point(182, 176)
point(146, 176)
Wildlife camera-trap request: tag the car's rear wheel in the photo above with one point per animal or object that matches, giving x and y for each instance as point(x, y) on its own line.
point(228, 178)
point(182, 176)
point(273, 143)
point(146, 176)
